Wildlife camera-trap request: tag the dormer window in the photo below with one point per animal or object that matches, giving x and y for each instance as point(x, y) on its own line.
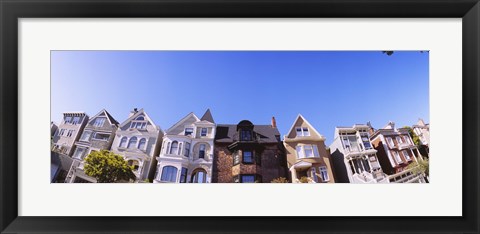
point(245, 135)
point(188, 131)
point(99, 122)
point(302, 131)
point(203, 132)
point(139, 123)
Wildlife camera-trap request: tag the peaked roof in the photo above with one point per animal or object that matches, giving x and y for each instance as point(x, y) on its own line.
point(208, 116)
point(140, 112)
point(228, 133)
point(109, 117)
point(304, 120)
point(191, 114)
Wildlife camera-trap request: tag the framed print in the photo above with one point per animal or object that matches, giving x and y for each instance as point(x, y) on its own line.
point(254, 116)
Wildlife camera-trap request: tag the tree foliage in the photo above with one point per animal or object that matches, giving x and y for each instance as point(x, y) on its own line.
point(420, 167)
point(415, 138)
point(108, 167)
point(304, 179)
point(280, 180)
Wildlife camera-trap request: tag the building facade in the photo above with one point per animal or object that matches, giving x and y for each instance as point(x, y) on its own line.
point(307, 156)
point(354, 158)
point(68, 132)
point(423, 132)
point(248, 153)
point(396, 151)
point(138, 140)
point(187, 151)
point(97, 135)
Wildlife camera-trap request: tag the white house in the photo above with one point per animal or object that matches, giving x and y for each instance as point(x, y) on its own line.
point(354, 156)
point(187, 151)
point(138, 140)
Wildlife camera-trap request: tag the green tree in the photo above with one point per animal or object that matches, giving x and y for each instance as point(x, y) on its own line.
point(420, 167)
point(415, 138)
point(280, 180)
point(108, 167)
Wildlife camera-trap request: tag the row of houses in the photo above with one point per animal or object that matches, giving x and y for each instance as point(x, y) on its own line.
point(198, 150)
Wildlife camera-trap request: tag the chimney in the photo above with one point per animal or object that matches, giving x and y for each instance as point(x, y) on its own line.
point(134, 111)
point(274, 122)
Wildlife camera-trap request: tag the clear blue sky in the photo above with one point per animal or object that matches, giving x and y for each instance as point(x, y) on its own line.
point(328, 88)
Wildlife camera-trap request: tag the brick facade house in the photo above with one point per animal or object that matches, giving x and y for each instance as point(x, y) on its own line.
point(248, 153)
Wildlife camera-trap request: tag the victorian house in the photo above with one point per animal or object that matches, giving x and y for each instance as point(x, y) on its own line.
point(307, 156)
point(139, 140)
point(422, 130)
point(68, 132)
point(354, 158)
point(396, 151)
point(248, 153)
point(187, 151)
point(97, 135)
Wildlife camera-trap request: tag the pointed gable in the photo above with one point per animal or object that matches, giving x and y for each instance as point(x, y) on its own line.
point(300, 121)
point(179, 127)
point(103, 113)
point(126, 124)
point(207, 116)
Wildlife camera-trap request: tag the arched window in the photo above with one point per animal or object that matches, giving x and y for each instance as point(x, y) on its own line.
point(201, 151)
point(174, 148)
point(142, 143)
point(199, 176)
point(132, 143)
point(169, 174)
point(140, 118)
point(134, 163)
point(123, 142)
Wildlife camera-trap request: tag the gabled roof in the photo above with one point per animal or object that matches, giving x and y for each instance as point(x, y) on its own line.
point(107, 115)
point(140, 112)
point(300, 117)
point(228, 133)
point(208, 116)
point(191, 114)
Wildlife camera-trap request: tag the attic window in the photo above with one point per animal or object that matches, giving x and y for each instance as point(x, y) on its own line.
point(245, 135)
point(188, 131)
point(99, 122)
point(302, 131)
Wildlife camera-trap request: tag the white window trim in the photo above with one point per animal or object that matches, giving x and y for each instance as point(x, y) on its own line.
point(324, 169)
point(303, 132)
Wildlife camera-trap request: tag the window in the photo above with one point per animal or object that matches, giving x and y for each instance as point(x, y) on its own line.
point(133, 163)
point(302, 131)
point(183, 175)
point(123, 142)
point(132, 143)
point(79, 153)
point(366, 141)
point(174, 148)
point(204, 132)
point(99, 122)
point(61, 132)
point(236, 158)
point(390, 142)
point(180, 147)
point(101, 136)
point(399, 140)
point(142, 143)
point(169, 174)
point(397, 157)
point(308, 151)
point(248, 179)
point(245, 135)
point(138, 125)
point(68, 119)
point(406, 155)
point(247, 157)
point(86, 136)
point(407, 139)
point(70, 133)
point(140, 118)
point(76, 120)
point(188, 131)
point(300, 152)
point(324, 174)
point(199, 176)
point(201, 152)
point(186, 152)
point(313, 174)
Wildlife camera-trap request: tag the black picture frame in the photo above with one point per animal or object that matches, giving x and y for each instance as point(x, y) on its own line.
point(11, 11)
